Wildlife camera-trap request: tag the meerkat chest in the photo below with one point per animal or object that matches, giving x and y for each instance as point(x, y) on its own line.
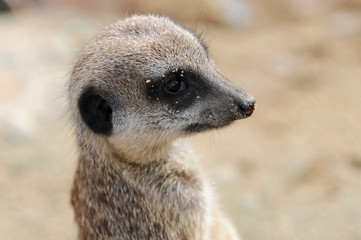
point(173, 185)
point(177, 198)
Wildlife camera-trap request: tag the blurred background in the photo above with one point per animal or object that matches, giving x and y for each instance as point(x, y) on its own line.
point(291, 171)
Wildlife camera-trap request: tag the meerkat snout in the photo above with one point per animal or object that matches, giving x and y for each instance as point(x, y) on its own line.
point(139, 85)
point(246, 105)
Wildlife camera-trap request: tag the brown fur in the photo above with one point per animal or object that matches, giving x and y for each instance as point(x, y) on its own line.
point(139, 182)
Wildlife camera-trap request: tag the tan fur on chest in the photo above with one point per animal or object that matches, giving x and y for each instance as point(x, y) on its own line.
point(160, 200)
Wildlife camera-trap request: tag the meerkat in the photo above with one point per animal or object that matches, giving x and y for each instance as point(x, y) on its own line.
point(140, 85)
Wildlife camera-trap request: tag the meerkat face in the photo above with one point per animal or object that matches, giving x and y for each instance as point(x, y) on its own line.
point(147, 76)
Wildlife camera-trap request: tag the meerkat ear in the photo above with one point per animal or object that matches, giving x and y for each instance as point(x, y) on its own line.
point(95, 111)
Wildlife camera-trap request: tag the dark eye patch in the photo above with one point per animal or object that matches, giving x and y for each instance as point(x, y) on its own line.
point(192, 86)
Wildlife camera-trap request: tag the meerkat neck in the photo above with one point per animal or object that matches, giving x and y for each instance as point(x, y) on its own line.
point(141, 150)
point(130, 149)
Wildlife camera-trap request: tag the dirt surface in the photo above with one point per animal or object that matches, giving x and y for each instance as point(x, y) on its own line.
point(291, 171)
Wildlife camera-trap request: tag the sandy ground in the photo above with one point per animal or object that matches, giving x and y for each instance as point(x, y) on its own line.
point(292, 171)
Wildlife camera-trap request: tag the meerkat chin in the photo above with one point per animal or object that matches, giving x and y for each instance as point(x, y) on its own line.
point(139, 85)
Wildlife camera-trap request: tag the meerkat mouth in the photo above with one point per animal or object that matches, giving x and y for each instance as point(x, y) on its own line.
point(200, 127)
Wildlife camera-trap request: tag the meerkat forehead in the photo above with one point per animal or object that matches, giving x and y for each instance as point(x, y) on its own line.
point(153, 41)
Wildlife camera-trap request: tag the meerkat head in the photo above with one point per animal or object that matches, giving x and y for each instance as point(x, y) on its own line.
point(147, 80)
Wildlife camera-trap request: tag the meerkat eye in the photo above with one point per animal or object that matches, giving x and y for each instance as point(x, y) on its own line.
point(176, 85)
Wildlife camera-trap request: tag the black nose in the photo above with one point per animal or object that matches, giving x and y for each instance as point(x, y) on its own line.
point(245, 108)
